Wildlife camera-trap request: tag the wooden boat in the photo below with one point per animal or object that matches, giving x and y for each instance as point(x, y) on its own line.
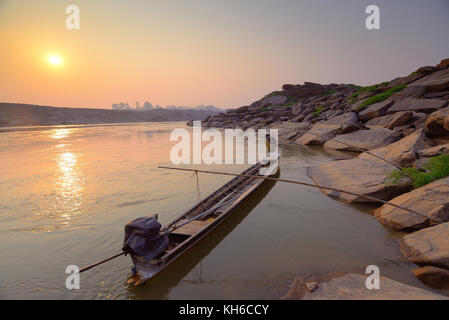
point(190, 227)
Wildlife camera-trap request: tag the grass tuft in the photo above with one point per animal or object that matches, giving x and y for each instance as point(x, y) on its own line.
point(436, 168)
point(317, 111)
point(380, 97)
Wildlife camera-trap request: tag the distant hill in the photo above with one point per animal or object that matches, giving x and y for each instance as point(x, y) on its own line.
point(16, 114)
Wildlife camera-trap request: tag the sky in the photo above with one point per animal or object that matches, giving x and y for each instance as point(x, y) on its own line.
point(228, 53)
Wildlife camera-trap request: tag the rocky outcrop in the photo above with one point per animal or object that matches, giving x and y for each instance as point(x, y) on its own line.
point(273, 101)
point(438, 122)
point(418, 105)
point(429, 246)
point(402, 152)
point(376, 110)
point(431, 200)
point(360, 140)
point(435, 82)
point(391, 121)
point(360, 176)
point(327, 130)
point(434, 276)
point(434, 151)
point(352, 286)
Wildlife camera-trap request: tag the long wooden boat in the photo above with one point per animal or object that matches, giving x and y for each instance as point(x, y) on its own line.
point(194, 224)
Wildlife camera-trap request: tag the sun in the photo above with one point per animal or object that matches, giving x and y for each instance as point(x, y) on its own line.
point(54, 60)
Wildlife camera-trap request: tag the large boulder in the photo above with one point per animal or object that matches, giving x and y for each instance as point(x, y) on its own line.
point(375, 110)
point(432, 200)
point(436, 81)
point(438, 122)
point(402, 152)
point(433, 276)
point(352, 286)
point(434, 151)
point(418, 105)
point(429, 246)
point(362, 140)
point(390, 121)
point(443, 64)
point(361, 176)
point(324, 131)
point(272, 101)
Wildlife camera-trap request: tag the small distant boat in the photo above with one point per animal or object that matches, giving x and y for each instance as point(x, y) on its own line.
point(152, 249)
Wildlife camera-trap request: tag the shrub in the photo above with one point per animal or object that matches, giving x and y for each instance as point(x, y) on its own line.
point(380, 97)
point(436, 168)
point(317, 111)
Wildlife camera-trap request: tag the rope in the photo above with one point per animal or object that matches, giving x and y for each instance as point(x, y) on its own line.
point(350, 145)
point(198, 194)
point(308, 185)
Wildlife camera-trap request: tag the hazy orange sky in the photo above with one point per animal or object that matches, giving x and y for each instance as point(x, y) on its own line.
point(225, 53)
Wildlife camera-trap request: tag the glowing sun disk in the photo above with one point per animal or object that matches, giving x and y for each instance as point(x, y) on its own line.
point(54, 60)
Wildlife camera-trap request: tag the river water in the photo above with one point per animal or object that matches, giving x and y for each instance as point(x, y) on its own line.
point(66, 193)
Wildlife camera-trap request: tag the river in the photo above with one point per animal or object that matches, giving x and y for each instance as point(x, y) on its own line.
point(66, 193)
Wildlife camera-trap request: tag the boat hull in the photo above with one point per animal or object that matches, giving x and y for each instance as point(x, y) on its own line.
point(144, 270)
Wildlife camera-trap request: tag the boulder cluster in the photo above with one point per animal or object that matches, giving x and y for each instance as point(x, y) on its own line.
point(400, 123)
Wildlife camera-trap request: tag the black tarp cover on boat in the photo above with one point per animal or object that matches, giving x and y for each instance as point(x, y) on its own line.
point(142, 237)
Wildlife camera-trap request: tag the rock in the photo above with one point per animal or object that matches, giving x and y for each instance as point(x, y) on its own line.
point(443, 64)
point(375, 110)
point(297, 109)
point(432, 200)
point(363, 139)
point(352, 286)
point(434, 151)
point(438, 122)
point(426, 69)
point(324, 131)
point(283, 118)
point(311, 286)
point(436, 81)
point(419, 105)
point(400, 119)
point(433, 276)
point(402, 152)
point(409, 92)
point(433, 95)
point(273, 101)
point(361, 176)
point(390, 121)
point(429, 246)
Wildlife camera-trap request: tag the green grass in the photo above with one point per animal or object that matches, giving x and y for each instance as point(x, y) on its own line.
point(413, 73)
point(372, 88)
point(288, 104)
point(361, 90)
point(317, 111)
point(380, 97)
point(436, 168)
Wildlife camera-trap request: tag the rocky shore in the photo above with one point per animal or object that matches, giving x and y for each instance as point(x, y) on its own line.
point(404, 121)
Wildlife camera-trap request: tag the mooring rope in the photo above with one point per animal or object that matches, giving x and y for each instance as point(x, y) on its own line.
point(308, 185)
point(198, 194)
point(350, 145)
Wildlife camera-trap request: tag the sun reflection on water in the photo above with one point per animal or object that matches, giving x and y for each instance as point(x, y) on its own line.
point(68, 184)
point(61, 133)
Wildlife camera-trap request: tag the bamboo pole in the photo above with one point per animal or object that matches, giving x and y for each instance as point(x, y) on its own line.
point(305, 184)
point(102, 261)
